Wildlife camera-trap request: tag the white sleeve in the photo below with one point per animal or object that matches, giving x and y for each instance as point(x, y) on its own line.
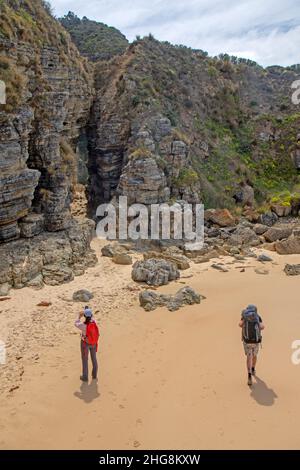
point(80, 325)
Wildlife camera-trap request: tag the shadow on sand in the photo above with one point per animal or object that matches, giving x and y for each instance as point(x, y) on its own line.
point(262, 394)
point(88, 391)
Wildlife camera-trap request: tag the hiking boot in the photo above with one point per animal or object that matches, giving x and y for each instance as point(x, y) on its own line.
point(84, 379)
point(253, 371)
point(249, 380)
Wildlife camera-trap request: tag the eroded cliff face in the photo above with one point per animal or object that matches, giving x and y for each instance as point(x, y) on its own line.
point(134, 151)
point(157, 123)
point(49, 94)
point(171, 123)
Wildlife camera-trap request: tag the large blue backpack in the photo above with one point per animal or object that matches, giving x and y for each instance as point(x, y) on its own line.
point(251, 330)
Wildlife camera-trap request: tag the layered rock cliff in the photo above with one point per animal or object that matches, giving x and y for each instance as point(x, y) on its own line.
point(49, 91)
point(155, 122)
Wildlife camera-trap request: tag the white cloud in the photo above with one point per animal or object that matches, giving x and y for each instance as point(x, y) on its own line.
point(266, 31)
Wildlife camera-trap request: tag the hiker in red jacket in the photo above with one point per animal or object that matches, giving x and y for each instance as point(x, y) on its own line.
point(89, 342)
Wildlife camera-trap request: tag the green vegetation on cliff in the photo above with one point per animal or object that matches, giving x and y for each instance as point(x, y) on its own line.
point(228, 112)
point(29, 25)
point(97, 41)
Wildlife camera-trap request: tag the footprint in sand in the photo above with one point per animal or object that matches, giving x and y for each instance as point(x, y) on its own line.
point(136, 444)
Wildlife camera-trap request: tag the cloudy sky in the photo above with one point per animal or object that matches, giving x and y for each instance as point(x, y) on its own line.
point(267, 31)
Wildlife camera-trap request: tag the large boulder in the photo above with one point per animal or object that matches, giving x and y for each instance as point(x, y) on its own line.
point(268, 218)
point(289, 246)
point(122, 258)
point(181, 261)
point(82, 295)
point(186, 296)
point(264, 258)
point(260, 229)
point(221, 217)
point(244, 236)
point(155, 272)
point(57, 274)
point(111, 250)
point(292, 269)
point(281, 210)
point(277, 233)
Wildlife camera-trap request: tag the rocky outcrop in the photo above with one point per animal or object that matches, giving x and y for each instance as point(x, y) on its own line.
point(277, 233)
point(151, 116)
point(48, 104)
point(150, 132)
point(37, 159)
point(281, 210)
point(289, 246)
point(244, 236)
point(112, 249)
point(185, 296)
point(142, 181)
point(181, 261)
point(48, 258)
point(154, 272)
point(221, 217)
point(260, 229)
point(17, 181)
point(122, 258)
point(263, 258)
point(268, 218)
point(82, 295)
point(292, 269)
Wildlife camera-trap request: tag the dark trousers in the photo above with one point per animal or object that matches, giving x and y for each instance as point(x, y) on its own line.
point(85, 349)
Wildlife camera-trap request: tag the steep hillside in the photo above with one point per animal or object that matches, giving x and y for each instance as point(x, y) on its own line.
point(170, 122)
point(157, 123)
point(94, 40)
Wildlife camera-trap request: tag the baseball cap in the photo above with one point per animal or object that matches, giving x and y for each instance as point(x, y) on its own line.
point(88, 313)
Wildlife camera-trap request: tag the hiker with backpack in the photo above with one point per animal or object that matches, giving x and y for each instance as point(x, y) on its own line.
point(252, 325)
point(89, 342)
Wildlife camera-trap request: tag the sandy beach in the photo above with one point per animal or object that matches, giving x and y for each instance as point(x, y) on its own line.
point(168, 380)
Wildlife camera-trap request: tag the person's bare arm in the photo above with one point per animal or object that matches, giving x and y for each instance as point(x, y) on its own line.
point(241, 324)
point(78, 323)
point(261, 326)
